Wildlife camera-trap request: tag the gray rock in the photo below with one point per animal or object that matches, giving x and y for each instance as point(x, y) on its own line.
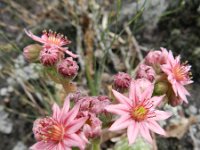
point(20, 146)
point(6, 125)
point(4, 91)
point(192, 110)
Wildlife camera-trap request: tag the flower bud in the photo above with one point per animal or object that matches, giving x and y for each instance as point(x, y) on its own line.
point(161, 88)
point(174, 101)
point(49, 56)
point(147, 72)
point(122, 81)
point(68, 68)
point(31, 52)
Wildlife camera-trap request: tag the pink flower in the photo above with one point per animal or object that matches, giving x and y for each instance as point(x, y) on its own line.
point(68, 68)
point(156, 57)
point(178, 75)
point(53, 40)
point(147, 72)
point(122, 81)
point(138, 113)
point(61, 131)
point(50, 56)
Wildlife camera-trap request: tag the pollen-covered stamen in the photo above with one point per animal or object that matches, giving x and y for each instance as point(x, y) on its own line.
point(139, 113)
point(181, 72)
point(55, 38)
point(48, 129)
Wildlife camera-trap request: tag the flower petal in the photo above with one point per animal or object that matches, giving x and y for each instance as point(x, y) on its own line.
point(132, 132)
point(65, 108)
point(56, 111)
point(144, 131)
point(121, 123)
point(155, 127)
point(74, 140)
point(148, 92)
point(41, 145)
point(72, 114)
point(75, 125)
point(162, 115)
point(36, 38)
point(157, 100)
point(132, 92)
point(121, 98)
point(117, 109)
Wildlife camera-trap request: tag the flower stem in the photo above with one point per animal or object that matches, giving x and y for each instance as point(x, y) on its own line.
point(96, 144)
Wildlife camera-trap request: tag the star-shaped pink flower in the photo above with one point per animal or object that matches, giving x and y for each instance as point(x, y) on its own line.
point(138, 113)
point(178, 75)
point(61, 131)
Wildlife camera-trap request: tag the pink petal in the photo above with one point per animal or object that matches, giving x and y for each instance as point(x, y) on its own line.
point(157, 100)
point(56, 111)
point(75, 125)
point(36, 38)
point(41, 145)
point(59, 146)
point(144, 131)
point(181, 93)
point(121, 123)
point(162, 115)
point(65, 108)
point(117, 109)
point(74, 140)
point(155, 127)
point(132, 132)
point(121, 98)
point(70, 53)
point(72, 113)
point(132, 92)
point(147, 93)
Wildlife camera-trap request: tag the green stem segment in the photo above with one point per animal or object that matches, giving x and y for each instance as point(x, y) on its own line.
point(96, 144)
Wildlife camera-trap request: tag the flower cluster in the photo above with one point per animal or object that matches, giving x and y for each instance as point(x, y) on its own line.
point(91, 107)
point(52, 53)
point(160, 76)
point(168, 74)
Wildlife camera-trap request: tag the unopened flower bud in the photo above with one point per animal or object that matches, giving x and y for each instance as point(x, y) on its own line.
point(161, 88)
point(122, 81)
point(174, 101)
point(31, 52)
point(49, 56)
point(68, 68)
point(147, 72)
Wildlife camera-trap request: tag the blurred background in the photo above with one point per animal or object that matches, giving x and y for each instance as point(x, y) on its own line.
point(110, 36)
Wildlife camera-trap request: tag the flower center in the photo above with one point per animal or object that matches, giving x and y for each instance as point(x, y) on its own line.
point(139, 113)
point(180, 72)
point(55, 38)
point(48, 129)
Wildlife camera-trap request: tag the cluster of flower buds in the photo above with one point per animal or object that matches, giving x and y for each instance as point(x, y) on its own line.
point(52, 53)
point(91, 107)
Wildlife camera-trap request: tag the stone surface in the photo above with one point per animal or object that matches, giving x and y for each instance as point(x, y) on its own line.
point(20, 146)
